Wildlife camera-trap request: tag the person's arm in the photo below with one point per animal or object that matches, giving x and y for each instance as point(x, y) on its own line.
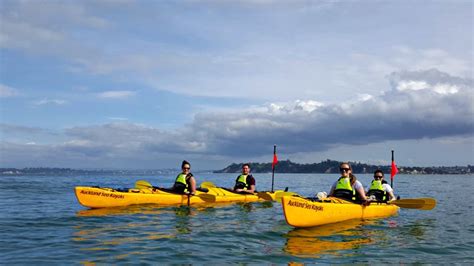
point(362, 193)
point(389, 191)
point(251, 189)
point(331, 192)
point(391, 195)
point(192, 184)
point(360, 189)
point(252, 185)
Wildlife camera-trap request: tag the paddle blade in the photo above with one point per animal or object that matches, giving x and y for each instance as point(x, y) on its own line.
point(275, 196)
point(280, 195)
point(207, 197)
point(268, 196)
point(430, 203)
point(420, 203)
point(207, 184)
point(143, 184)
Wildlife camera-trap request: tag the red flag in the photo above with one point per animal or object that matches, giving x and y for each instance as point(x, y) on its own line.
point(275, 160)
point(394, 170)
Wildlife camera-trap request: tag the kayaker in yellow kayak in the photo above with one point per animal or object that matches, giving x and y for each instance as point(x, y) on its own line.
point(185, 182)
point(347, 186)
point(245, 182)
point(379, 188)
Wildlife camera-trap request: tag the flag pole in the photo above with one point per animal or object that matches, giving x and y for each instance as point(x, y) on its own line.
point(391, 171)
point(273, 165)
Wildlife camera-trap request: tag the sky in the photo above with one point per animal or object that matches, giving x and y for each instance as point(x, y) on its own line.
point(147, 84)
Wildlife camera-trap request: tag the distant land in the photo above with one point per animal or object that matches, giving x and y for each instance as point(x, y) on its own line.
point(328, 166)
point(68, 171)
point(331, 166)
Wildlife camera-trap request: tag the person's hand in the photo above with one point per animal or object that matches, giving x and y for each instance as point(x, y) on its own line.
point(238, 190)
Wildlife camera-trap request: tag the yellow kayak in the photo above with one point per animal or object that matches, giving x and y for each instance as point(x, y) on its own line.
point(96, 197)
point(302, 212)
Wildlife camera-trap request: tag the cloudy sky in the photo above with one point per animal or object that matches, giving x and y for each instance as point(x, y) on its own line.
point(145, 84)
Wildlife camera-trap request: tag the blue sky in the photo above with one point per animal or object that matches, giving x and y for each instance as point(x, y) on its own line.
point(146, 84)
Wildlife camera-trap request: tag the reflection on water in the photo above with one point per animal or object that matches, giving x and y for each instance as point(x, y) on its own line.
point(107, 230)
point(327, 239)
point(246, 207)
point(126, 210)
point(182, 223)
point(418, 228)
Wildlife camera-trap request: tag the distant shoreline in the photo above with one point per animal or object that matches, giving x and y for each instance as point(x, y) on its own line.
point(287, 167)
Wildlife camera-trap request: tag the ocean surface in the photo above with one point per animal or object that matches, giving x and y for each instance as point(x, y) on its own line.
point(41, 222)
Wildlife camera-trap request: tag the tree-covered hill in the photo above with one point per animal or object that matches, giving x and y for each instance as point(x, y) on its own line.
point(331, 166)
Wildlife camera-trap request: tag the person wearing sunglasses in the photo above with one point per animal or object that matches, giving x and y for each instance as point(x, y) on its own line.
point(347, 186)
point(185, 182)
point(379, 188)
point(245, 182)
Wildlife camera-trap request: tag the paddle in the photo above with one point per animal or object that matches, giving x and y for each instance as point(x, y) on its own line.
point(419, 203)
point(207, 184)
point(140, 184)
point(212, 187)
point(280, 195)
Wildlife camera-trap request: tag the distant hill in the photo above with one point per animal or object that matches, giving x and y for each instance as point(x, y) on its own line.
point(331, 166)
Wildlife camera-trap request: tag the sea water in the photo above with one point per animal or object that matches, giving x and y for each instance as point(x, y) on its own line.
point(42, 222)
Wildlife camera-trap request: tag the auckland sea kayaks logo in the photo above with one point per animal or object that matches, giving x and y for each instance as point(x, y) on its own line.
point(102, 194)
point(305, 205)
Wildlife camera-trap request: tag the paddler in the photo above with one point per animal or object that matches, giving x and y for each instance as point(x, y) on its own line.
point(379, 188)
point(347, 186)
point(245, 182)
point(185, 182)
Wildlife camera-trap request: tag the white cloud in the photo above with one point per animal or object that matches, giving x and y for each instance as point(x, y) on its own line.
point(6, 91)
point(412, 85)
point(51, 102)
point(116, 94)
point(118, 118)
point(445, 88)
point(298, 127)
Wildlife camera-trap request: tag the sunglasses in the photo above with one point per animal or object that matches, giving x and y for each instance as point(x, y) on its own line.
point(344, 169)
point(186, 168)
point(378, 176)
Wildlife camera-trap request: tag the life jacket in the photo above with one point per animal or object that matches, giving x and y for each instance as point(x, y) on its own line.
point(344, 189)
point(241, 182)
point(376, 189)
point(180, 184)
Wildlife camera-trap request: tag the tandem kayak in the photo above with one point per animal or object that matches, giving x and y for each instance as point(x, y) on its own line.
point(302, 212)
point(97, 197)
